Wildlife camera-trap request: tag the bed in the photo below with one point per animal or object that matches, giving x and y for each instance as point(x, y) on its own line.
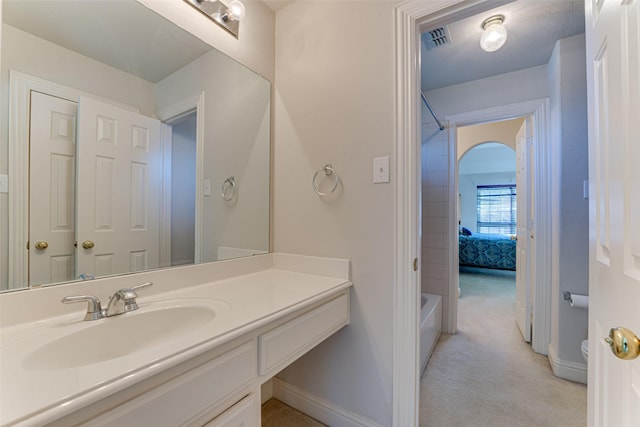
point(488, 251)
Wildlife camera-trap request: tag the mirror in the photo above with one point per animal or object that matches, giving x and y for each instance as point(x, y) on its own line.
point(127, 144)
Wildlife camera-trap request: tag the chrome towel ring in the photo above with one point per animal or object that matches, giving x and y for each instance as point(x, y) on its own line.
point(228, 188)
point(328, 170)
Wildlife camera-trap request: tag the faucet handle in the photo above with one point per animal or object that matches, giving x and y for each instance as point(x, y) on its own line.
point(124, 300)
point(131, 295)
point(141, 286)
point(94, 308)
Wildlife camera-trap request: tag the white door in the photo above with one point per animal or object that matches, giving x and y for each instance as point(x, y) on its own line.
point(120, 162)
point(613, 67)
point(52, 148)
point(523, 266)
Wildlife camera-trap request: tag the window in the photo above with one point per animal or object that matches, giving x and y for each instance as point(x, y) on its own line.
point(497, 209)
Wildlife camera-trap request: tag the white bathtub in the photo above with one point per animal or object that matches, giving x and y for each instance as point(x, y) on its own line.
point(430, 326)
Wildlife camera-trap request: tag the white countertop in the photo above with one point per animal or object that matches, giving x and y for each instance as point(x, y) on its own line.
point(33, 395)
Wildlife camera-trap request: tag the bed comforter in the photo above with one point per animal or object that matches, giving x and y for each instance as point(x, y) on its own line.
point(488, 251)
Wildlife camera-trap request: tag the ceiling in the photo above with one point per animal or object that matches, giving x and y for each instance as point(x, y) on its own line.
point(276, 5)
point(533, 28)
point(110, 32)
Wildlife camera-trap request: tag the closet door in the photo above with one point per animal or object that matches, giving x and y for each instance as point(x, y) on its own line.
point(120, 162)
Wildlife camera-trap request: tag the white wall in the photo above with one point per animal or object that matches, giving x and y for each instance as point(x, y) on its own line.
point(504, 131)
point(236, 143)
point(334, 104)
point(519, 86)
point(568, 91)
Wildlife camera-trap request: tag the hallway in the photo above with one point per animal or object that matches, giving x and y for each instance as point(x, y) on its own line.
point(486, 375)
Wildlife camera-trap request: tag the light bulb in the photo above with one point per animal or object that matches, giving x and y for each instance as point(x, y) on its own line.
point(236, 10)
point(494, 35)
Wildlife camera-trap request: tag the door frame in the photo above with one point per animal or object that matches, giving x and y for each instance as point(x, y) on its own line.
point(540, 246)
point(407, 211)
point(20, 87)
point(408, 17)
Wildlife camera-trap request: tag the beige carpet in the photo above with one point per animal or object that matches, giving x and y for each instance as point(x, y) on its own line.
point(486, 375)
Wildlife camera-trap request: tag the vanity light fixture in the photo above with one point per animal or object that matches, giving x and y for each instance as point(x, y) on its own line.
point(227, 16)
point(494, 34)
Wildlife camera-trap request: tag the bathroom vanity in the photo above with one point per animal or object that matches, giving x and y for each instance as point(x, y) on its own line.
point(196, 352)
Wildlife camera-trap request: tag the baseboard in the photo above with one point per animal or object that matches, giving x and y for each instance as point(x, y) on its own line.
point(571, 371)
point(318, 408)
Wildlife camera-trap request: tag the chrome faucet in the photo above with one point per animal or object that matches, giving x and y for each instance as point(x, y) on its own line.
point(124, 300)
point(94, 309)
point(121, 302)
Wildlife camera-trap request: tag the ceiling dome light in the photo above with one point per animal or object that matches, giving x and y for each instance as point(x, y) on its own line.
point(494, 35)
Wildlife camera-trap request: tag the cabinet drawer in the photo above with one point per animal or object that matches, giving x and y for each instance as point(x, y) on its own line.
point(187, 396)
point(285, 343)
point(245, 413)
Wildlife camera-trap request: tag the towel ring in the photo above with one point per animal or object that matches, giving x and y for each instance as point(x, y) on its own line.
point(328, 170)
point(228, 191)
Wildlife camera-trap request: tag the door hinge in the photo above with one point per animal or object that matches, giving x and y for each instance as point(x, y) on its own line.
point(415, 264)
point(27, 245)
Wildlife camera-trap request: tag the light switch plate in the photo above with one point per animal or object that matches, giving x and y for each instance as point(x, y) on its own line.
point(206, 187)
point(4, 183)
point(381, 170)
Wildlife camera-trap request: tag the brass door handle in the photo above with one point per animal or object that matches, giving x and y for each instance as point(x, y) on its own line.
point(624, 343)
point(88, 244)
point(41, 245)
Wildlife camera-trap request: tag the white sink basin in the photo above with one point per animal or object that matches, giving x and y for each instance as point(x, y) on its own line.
point(151, 325)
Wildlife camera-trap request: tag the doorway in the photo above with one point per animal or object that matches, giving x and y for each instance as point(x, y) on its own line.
point(491, 103)
point(183, 189)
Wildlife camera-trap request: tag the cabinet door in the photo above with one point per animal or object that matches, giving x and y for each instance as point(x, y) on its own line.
point(245, 413)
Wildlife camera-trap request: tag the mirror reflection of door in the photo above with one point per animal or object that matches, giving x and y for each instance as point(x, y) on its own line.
point(113, 211)
point(52, 153)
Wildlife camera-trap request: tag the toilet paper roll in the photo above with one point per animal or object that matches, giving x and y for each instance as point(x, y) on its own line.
point(579, 301)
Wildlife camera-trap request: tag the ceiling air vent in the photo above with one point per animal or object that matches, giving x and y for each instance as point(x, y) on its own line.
point(437, 37)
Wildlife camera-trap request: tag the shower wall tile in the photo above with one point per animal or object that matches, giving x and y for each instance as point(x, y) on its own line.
point(435, 209)
point(435, 179)
point(436, 194)
point(437, 163)
point(435, 255)
point(435, 240)
point(439, 272)
point(435, 225)
point(435, 213)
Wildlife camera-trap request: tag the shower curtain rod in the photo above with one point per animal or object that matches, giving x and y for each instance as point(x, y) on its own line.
point(424, 98)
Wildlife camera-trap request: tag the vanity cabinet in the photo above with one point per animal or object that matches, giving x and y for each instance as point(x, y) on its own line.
point(285, 343)
point(195, 394)
point(220, 388)
point(243, 414)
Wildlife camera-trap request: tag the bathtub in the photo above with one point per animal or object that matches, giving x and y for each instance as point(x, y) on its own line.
point(430, 326)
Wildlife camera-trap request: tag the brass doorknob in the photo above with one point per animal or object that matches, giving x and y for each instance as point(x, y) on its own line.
point(88, 244)
point(41, 245)
point(624, 343)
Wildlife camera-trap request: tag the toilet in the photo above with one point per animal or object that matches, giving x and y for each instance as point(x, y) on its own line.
point(585, 349)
